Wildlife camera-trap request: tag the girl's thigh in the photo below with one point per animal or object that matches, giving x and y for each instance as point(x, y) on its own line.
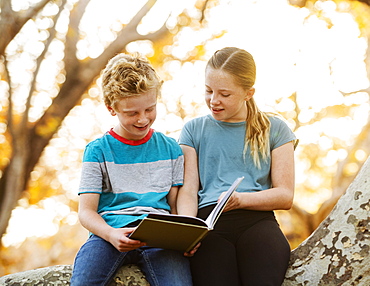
point(164, 267)
point(215, 262)
point(263, 254)
point(96, 262)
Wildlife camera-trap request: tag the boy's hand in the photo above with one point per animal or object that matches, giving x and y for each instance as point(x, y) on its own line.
point(192, 252)
point(120, 240)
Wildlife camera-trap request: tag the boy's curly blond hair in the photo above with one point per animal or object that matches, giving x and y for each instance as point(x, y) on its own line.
point(126, 76)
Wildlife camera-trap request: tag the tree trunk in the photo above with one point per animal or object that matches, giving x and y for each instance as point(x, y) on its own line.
point(338, 251)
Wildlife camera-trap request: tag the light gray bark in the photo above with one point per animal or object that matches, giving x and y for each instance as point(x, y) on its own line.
point(128, 275)
point(337, 252)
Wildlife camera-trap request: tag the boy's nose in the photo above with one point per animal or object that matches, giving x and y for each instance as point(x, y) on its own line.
point(142, 119)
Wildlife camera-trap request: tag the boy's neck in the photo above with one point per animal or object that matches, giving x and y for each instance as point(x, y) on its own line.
point(132, 142)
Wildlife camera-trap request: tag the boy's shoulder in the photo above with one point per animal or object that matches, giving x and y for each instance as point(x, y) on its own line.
point(164, 139)
point(166, 144)
point(97, 141)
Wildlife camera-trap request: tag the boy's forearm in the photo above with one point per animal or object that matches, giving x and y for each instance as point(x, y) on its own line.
point(171, 198)
point(95, 224)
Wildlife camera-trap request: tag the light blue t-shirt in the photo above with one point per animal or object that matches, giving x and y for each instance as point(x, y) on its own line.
point(219, 146)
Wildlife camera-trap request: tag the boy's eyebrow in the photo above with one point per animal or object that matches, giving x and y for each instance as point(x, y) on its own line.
point(134, 110)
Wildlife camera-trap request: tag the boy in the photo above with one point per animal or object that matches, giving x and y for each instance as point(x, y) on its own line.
point(128, 172)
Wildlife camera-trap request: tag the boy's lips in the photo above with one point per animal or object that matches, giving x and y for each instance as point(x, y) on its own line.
point(141, 127)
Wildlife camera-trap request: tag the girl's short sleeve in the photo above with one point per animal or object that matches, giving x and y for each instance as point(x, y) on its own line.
point(280, 133)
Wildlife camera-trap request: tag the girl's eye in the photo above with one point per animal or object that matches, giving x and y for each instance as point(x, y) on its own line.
point(225, 95)
point(208, 91)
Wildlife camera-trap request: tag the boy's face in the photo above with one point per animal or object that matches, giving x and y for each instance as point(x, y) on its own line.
point(135, 115)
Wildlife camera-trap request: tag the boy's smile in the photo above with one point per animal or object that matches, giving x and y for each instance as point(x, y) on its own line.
point(136, 115)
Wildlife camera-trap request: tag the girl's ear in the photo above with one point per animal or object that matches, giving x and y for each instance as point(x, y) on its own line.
point(111, 110)
point(250, 93)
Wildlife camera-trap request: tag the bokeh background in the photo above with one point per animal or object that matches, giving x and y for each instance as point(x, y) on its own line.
point(313, 68)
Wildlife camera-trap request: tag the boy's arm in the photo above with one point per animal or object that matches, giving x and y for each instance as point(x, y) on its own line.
point(172, 198)
point(93, 222)
point(187, 198)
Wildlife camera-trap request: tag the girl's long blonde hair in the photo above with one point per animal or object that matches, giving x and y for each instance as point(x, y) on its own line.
point(240, 64)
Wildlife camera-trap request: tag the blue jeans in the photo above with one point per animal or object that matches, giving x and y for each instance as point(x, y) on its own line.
point(97, 261)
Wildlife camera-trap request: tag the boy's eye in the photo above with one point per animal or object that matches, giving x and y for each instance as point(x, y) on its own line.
point(225, 95)
point(208, 91)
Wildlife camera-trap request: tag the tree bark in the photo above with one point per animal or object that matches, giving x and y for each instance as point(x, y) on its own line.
point(338, 251)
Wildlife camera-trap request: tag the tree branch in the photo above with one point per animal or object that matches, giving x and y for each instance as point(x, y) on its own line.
point(11, 22)
point(52, 33)
point(70, 58)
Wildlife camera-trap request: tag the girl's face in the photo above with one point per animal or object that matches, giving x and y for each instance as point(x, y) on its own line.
point(135, 115)
point(224, 97)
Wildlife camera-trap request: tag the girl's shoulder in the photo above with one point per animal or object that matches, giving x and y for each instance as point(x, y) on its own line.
point(277, 121)
point(280, 132)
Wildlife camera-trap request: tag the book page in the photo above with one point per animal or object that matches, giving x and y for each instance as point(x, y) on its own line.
point(178, 218)
point(217, 210)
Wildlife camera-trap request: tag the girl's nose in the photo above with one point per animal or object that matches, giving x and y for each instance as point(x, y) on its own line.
point(214, 99)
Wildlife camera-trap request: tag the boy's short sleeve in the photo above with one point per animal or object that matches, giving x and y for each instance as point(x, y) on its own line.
point(177, 159)
point(91, 174)
point(178, 171)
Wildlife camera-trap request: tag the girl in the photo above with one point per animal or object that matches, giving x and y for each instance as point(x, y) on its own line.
point(247, 247)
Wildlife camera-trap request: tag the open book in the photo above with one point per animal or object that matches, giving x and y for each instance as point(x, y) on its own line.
point(179, 232)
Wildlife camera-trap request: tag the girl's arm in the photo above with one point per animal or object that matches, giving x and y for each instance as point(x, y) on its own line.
point(280, 196)
point(93, 222)
point(187, 198)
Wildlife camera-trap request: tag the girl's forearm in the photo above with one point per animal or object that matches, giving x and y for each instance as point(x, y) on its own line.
point(187, 204)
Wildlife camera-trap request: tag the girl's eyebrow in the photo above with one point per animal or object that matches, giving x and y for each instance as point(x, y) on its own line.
point(222, 89)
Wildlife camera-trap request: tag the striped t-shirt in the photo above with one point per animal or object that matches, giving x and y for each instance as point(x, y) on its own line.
point(133, 178)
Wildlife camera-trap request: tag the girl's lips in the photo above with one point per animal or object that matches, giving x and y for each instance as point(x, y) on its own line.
point(216, 110)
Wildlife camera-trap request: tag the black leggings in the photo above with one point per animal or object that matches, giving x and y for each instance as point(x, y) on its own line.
point(245, 248)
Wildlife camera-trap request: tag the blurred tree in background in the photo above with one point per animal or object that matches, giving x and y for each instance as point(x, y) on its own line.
point(51, 55)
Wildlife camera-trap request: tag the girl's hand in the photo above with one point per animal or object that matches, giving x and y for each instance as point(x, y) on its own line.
point(192, 252)
point(118, 237)
point(233, 203)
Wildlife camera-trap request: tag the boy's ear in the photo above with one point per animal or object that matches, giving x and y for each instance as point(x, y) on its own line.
point(250, 93)
point(111, 110)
